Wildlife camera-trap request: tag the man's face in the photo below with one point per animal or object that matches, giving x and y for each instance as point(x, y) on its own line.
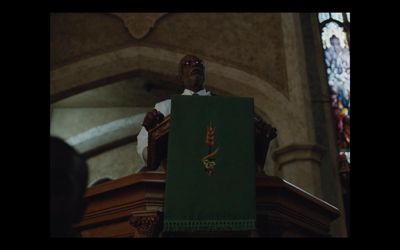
point(192, 73)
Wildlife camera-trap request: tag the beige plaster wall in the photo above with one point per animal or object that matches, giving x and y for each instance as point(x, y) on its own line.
point(114, 164)
point(68, 122)
point(249, 41)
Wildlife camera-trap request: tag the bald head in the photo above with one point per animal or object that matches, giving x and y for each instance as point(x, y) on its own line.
point(191, 72)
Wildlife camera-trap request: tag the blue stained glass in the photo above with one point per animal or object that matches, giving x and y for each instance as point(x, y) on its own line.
point(338, 16)
point(337, 60)
point(323, 16)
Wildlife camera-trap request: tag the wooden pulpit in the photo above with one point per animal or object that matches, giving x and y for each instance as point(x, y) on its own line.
point(133, 205)
point(158, 143)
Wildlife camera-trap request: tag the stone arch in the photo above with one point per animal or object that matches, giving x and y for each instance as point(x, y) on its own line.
point(107, 68)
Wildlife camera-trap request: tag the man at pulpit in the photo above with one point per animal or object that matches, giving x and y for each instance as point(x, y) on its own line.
point(191, 74)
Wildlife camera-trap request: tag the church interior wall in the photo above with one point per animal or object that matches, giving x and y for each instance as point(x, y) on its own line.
point(245, 54)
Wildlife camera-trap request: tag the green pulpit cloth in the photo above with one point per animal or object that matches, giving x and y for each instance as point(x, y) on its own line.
point(210, 167)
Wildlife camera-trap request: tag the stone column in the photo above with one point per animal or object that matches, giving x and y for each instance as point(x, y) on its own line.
point(300, 165)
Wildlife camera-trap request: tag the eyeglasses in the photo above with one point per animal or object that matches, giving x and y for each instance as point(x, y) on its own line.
point(194, 62)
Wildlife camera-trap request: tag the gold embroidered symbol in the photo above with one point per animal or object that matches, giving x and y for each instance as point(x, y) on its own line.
point(209, 160)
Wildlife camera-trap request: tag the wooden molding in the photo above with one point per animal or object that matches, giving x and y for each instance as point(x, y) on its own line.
point(132, 207)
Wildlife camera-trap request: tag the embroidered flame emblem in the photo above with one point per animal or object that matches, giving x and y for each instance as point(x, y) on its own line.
point(209, 160)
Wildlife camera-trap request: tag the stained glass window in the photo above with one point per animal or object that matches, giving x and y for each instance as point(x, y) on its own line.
point(334, 36)
point(338, 16)
point(322, 16)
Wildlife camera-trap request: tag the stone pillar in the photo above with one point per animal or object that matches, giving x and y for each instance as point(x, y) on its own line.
point(300, 165)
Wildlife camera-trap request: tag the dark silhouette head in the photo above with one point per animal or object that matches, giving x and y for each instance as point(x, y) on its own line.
point(335, 42)
point(68, 181)
point(191, 73)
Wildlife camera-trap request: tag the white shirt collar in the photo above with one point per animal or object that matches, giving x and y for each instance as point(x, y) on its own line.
point(202, 92)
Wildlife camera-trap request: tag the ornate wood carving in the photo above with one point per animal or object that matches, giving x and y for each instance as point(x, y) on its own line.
point(146, 223)
point(139, 24)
